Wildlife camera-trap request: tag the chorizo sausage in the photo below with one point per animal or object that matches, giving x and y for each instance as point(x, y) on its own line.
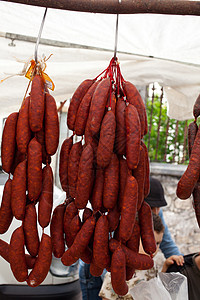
point(133, 136)
point(75, 102)
point(85, 177)
point(46, 197)
point(196, 107)
point(98, 104)
point(118, 272)
point(23, 132)
point(6, 215)
point(63, 164)
point(120, 137)
point(101, 256)
point(134, 241)
point(8, 142)
point(30, 230)
point(51, 125)
point(57, 231)
point(83, 110)
point(188, 180)
point(106, 141)
point(34, 169)
point(95, 270)
point(36, 105)
point(41, 139)
point(147, 171)
point(111, 183)
point(113, 218)
point(146, 228)
point(73, 166)
point(86, 213)
point(19, 157)
point(70, 212)
point(97, 193)
point(139, 174)
point(75, 226)
point(128, 209)
point(133, 259)
point(17, 255)
point(192, 131)
point(123, 171)
point(18, 194)
point(43, 262)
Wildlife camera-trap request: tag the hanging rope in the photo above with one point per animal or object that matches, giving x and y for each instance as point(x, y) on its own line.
point(39, 36)
point(116, 37)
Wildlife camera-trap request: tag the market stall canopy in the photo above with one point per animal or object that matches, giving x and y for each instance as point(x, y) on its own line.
point(161, 48)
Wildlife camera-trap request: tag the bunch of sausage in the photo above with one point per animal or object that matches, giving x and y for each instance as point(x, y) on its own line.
point(30, 138)
point(189, 184)
point(108, 168)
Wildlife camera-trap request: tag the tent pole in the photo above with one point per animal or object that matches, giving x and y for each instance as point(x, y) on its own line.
point(172, 7)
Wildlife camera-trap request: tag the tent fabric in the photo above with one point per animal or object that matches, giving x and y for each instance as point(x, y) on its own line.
point(163, 48)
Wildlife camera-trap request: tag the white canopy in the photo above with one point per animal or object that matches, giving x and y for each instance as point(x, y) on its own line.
point(162, 48)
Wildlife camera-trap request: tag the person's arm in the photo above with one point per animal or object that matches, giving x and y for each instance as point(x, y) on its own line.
point(168, 246)
point(178, 259)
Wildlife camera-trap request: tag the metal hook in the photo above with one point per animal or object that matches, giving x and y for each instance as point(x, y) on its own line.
point(39, 36)
point(116, 37)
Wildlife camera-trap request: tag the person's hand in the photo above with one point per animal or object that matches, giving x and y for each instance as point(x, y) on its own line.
point(170, 261)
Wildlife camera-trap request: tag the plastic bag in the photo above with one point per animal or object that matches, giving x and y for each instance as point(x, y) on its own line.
point(167, 286)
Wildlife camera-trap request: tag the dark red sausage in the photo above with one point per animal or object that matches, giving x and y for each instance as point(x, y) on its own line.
point(97, 194)
point(70, 212)
point(75, 102)
point(85, 177)
point(23, 132)
point(41, 139)
point(63, 164)
point(43, 262)
point(83, 110)
point(51, 125)
point(98, 104)
point(8, 142)
point(18, 198)
point(106, 141)
point(128, 209)
point(118, 272)
point(196, 107)
point(30, 230)
point(19, 157)
point(73, 166)
point(133, 136)
point(147, 171)
point(113, 218)
point(57, 230)
point(101, 256)
point(192, 131)
point(6, 215)
point(34, 169)
point(123, 171)
point(17, 255)
point(95, 270)
point(140, 175)
point(75, 226)
point(46, 197)
point(134, 241)
point(36, 106)
point(146, 228)
point(111, 183)
point(86, 213)
point(120, 137)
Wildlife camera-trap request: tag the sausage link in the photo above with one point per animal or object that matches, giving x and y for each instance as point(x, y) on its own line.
point(70, 212)
point(17, 255)
point(85, 177)
point(86, 213)
point(30, 230)
point(147, 171)
point(73, 166)
point(18, 194)
point(146, 228)
point(196, 107)
point(63, 164)
point(51, 125)
point(95, 270)
point(46, 197)
point(128, 209)
point(34, 169)
point(101, 256)
point(118, 272)
point(8, 142)
point(97, 193)
point(75, 102)
point(83, 110)
point(75, 226)
point(120, 137)
point(133, 136)
point(123, 171)
point(23, 132)
point(19, 157)
point(41, 139)
point(106, 141)
point(111, 183)
point(36, 105)
point(192, 131)
point(57, 231)
point(134, 241)
point(113, 218)
point(6, 215)
point(98, 104)
point(43, 262)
